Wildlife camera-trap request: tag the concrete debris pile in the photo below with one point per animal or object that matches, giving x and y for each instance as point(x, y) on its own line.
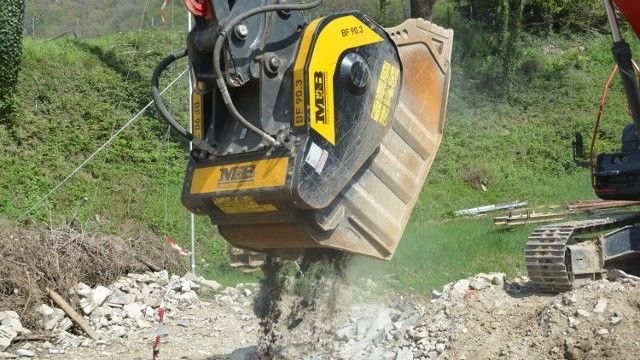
point(398, 328)
point(132, 301)
point(481, 317)
point(128, 304)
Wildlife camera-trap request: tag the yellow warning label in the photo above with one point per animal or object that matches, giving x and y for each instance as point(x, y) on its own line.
point(240, 176)
point(334, 39)
point(389, 76)
point(242, 205)
point(298, 74)
point(198, 130)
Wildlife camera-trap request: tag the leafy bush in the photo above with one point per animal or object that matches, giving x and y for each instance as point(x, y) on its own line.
point(11, 15)
point(539, 15)
point(553, 15)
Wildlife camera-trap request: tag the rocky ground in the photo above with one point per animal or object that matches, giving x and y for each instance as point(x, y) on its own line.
point(483, 317)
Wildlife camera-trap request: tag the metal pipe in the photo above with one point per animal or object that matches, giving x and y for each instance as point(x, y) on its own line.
point(192, 216)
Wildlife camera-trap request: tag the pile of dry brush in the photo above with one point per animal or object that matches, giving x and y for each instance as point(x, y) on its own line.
point(34, 259)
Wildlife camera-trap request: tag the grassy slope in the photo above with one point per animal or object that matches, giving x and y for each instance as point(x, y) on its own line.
point(75, 93)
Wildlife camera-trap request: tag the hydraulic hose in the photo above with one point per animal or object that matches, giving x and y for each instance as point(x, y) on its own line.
point(217, 50)
point(166, 116)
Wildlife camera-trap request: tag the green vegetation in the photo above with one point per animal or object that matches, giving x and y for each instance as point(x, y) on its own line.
point(76, 93)
point(11, 15)
point(90, 18)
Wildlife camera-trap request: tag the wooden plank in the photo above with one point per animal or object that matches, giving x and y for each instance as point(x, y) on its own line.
point(527, 218)
point(36, 337)
point(77, 318)
point(591, 205)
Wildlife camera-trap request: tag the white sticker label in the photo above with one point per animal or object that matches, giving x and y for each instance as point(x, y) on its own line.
point(317, 158)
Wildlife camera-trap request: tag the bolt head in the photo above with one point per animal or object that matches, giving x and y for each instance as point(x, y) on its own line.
point(241, 31)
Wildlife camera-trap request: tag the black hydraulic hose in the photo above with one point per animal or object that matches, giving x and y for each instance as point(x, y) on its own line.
point(157, 100)
point(217, 50)
point(622, 54)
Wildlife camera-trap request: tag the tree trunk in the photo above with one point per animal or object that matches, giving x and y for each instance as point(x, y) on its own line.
point(513, 27)
point(422, 8)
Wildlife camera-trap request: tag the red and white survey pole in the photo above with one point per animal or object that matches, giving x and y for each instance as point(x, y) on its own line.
point(192, 217)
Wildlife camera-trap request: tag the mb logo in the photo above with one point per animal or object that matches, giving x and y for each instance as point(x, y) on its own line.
point(237, 174)
point(319, 82)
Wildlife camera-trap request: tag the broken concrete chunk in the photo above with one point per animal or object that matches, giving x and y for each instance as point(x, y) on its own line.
point(189, 297)
point(7, 335)
point(569, 299)
point(185, 285)
point(25, 353)
point(82, 290)
point(404, 354)
point(133, 311)
point(478, 283)
point(583, 313)
point(142, 324)
point(64, 324)
point(162, 278)
point(118, 298)
point(209, 284)
point(99, 295)
point(601, 306)
point(247, 353)
point(141, 278)
point(86, 306)
point(460, 288)
point(50, 317)
point(435, 294)
point(11, 319)
point(100, 312)
point(498, 279)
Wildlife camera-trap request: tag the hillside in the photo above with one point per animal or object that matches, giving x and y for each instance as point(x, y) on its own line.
point(75, 93)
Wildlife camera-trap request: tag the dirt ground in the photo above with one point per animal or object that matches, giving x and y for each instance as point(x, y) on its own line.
point(211, 331)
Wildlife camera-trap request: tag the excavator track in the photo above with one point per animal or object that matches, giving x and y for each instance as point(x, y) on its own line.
point(546, 248)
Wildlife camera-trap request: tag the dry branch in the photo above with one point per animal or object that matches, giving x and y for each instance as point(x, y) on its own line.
point(77, 318)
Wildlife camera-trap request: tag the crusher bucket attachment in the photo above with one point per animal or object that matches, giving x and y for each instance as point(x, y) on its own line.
point(346, 118)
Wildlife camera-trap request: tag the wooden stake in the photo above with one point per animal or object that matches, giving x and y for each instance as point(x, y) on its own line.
point(77, 318)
